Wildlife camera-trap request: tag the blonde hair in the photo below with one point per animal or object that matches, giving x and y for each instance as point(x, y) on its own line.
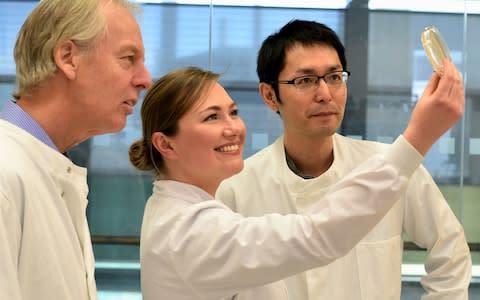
point(169, 99)
point(50, 23)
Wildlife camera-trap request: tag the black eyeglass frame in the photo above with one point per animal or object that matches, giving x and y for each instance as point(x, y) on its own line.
point(345, 73)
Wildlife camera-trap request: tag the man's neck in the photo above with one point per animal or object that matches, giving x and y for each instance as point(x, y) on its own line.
point(53, 117)
point(309, 157)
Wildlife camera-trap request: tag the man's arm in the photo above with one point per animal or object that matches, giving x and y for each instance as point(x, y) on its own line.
point(430, 223)
point(9, 245)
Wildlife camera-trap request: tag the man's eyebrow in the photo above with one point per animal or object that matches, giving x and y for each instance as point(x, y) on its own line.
point(306, 71)
point(131, 48)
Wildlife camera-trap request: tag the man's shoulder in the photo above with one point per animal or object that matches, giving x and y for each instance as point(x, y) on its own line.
point(356, 145)
point(262, 155)
point(359, 150)
point(14, 143)
point(265, 159)
point(17, 154)
point(256, 165)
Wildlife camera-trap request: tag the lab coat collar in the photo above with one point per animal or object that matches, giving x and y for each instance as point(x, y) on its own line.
point(287, 175)
point(181, 191)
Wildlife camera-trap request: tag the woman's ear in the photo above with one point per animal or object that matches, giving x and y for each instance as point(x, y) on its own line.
point(268, 95)
point(66, 55)
point(162, 143)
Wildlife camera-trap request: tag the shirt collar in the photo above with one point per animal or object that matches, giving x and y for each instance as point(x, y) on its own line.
point(181, 191)
point(291, 165)
point(14, 114)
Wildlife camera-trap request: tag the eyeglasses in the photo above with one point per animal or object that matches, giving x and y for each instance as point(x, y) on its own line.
point(306, 83)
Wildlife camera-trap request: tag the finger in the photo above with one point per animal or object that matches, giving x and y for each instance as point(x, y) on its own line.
point(432, 84)
point(453, 88)
point(447, 80)
point(458, 91)
point(457, 82)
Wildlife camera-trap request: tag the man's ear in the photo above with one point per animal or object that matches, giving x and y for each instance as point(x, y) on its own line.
point(162, 143)
point(268, 96)
point(66, 56)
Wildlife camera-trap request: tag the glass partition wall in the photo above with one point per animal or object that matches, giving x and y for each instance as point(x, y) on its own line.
point(389, 71)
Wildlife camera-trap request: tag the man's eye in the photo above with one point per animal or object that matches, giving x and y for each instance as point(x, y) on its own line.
point(334, 77)
point(130, 58)
point(305, 80)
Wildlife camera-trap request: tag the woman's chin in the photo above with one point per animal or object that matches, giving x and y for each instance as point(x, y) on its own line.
point(234, 169)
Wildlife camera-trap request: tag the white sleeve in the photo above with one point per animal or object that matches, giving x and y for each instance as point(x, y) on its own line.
point(430, 223)
point(218, 252)
point(9, 243)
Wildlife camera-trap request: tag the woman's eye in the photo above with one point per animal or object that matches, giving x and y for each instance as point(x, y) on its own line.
point(234, 112)
point(211, 117)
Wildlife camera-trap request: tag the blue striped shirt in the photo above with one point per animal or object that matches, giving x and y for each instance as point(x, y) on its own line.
point(14, 114)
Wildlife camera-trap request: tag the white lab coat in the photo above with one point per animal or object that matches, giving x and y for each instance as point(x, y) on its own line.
point(372, 270)
point(194, 247)
point(45, 247)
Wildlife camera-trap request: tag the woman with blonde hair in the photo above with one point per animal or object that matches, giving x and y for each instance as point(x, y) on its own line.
point(194, 247)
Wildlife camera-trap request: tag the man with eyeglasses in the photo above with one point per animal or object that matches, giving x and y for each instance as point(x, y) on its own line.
point(303, 73)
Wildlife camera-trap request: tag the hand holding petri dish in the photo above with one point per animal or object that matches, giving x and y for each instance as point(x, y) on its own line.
point(435, 48)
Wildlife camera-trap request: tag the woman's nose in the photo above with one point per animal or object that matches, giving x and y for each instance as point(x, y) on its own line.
point(233, 127)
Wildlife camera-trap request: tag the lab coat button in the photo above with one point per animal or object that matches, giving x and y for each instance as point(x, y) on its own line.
point(63, 194)
point(69, 169)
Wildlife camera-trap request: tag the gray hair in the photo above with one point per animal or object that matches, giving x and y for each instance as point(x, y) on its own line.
point(50, 23)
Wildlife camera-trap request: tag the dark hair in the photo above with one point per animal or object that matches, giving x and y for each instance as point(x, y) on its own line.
point(169, 99)
point(271, 56)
